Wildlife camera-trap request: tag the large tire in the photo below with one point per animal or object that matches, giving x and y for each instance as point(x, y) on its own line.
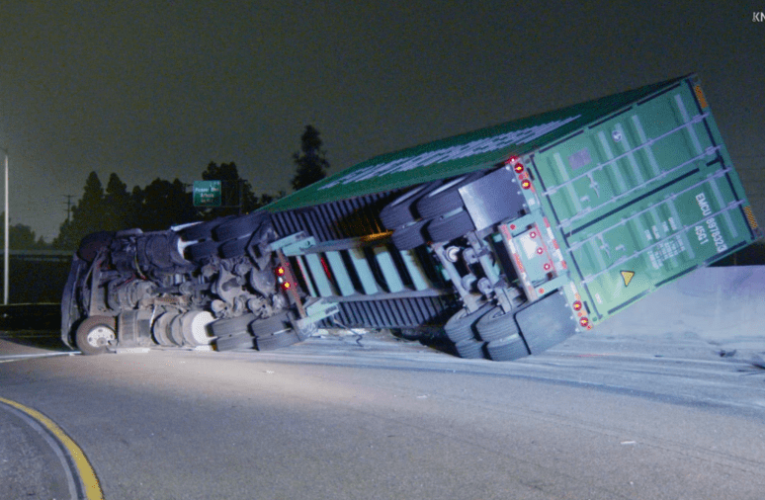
point(240, 341)
point(175, 331)
point(240, 226)
point(234, 248)
point(507, 349)
point(445, 198)
point(276, 341)
point(161, 330)
point(231, 326)
point(409, 237)
point(400, 211)
point(271, 325)
point(194, 327)
point(202, 250)
point(460, 326)
point(93, 334)
point(495, 325)
point(449, 228)
point(203, 230)
point(470, 349)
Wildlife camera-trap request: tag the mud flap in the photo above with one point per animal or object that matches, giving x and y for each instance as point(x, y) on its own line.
point(547, 322)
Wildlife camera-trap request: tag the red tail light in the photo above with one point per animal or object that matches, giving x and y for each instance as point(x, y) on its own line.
point(280, 271)
point(526, 184)
point(577, 306)
point(518, 168)
point(584, 322)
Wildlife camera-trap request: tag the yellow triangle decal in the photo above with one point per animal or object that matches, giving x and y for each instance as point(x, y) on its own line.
point(627, 276)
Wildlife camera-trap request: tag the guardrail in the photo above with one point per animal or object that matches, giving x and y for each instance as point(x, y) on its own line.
point(44, 255)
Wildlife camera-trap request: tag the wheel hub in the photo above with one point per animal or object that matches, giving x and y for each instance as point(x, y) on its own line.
point(100, 336)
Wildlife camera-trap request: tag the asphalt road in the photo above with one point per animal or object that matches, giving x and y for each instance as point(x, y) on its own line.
point(599, 417)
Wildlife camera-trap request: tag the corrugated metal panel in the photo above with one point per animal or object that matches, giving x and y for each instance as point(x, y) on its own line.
point(347, 218)
point(642, 197)
point(464, 153)
point(395, 313)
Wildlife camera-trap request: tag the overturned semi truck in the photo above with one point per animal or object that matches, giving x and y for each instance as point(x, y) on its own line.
point(507, 240)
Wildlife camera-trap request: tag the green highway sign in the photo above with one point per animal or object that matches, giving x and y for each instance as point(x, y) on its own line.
point(207, 194)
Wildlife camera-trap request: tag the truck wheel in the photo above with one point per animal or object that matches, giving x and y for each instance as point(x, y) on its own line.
point(470, 349)
point(460, 325)
point(175, 331)
point(160, 329)
point(234, 248)
point(449, 228)
point(276, 341)
point(202, 250)
point(507, 349)
point(408, 237)
point(231, 326)
point(95, 333)
point(240, 341)
point(267, 326)
point(495, 325)
point(445, 198)
point(399, 212)
point(203, 230)
point(194, 327)
point(239, 226)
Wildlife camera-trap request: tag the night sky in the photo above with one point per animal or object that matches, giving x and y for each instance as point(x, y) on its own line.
point(151, 89)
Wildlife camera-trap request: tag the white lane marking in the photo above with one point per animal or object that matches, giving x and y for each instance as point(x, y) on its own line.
point(21, 357)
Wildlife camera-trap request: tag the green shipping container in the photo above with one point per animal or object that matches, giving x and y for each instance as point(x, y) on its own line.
point(638, 188)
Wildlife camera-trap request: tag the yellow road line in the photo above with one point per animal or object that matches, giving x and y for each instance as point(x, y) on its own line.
point(86, 473)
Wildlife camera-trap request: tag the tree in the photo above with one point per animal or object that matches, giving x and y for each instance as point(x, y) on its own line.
point(22, 237)
point(237, 195)
point(156, 207)
point(162, 204)
point(311, 161)
point(119, 210)
point(87, 215)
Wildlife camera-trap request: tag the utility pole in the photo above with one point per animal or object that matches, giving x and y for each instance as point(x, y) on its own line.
point(6, 253)
point(68, 205)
